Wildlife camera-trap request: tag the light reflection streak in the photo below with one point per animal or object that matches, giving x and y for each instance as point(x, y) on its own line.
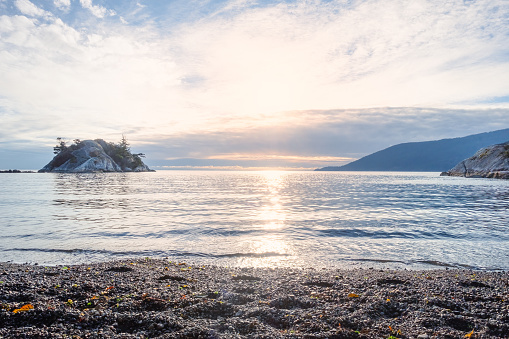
point(272, 214)
point(274, 245)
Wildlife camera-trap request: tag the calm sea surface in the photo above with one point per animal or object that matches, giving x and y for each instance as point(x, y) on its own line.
point(322, 219)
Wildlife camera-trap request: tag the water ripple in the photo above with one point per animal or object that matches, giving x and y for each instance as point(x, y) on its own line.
point(258, 218)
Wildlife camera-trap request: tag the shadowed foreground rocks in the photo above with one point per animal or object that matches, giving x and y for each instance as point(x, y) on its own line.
point(164, 299)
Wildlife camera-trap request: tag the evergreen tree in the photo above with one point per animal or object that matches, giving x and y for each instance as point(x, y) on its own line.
point(60, 147)
point(125, 148)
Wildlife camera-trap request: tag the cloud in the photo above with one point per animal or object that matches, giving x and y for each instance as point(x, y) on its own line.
point(63, 75)
point(63, 5)
point(246, 59)
point(97, 10)
point(318, 138)
point(233, 78)
point(331, 55)
point(28, 8)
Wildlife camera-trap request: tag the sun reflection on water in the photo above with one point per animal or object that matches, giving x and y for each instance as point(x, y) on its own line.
point(272, 213)
point(270, 249)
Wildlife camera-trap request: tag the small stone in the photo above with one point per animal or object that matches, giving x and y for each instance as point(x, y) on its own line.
point(423, 336)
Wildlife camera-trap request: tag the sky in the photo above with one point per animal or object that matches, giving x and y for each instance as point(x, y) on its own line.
point(242, 84)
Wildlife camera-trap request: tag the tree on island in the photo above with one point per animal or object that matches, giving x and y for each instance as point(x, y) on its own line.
point(60, 147)
point(122, 155)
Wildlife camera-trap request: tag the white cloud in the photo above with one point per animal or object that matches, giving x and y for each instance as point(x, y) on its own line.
point(96, 10)
point(63, 5)
point(28, 8)
point(60, 75)
point(240, 67)
point(329, 55)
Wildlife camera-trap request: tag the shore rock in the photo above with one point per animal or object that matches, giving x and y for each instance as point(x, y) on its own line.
point(94, 156)
point(489, 162)
point(161, 298)
point(15, 171)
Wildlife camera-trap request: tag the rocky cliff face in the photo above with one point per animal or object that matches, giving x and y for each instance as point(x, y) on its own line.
point(489, 162)
point(94, 156)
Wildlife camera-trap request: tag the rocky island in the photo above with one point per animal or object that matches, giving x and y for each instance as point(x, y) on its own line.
point(488, 162)
point(94, 156)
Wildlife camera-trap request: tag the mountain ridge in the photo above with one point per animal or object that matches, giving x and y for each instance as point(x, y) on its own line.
point(425, 156)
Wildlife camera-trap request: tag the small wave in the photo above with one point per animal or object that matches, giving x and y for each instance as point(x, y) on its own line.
point(380, 261)
point(48, 250)
point(106, 253)
point(251, 255)
point(169, 233)
point(434, 263)
point(149, 253)
point(443, 264)
point(359, 233)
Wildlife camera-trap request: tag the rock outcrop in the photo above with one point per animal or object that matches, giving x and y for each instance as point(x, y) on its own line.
point(95, 156)
point(489, 162)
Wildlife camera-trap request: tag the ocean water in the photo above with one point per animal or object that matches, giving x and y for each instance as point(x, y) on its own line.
point(274, 219)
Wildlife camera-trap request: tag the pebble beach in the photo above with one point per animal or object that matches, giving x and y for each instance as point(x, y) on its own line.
point(161, 298)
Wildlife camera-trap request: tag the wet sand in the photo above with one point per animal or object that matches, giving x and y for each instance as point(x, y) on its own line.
point(155, 298)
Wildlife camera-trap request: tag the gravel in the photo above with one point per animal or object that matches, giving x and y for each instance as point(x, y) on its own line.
point(156, 298)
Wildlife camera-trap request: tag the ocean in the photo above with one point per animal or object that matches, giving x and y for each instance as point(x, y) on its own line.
point(264, 219)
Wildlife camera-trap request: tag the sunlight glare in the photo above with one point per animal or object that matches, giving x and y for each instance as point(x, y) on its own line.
point(272, 251)
point(272, 212)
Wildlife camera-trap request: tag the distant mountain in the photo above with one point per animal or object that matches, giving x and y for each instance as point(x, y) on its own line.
point(427, 156)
